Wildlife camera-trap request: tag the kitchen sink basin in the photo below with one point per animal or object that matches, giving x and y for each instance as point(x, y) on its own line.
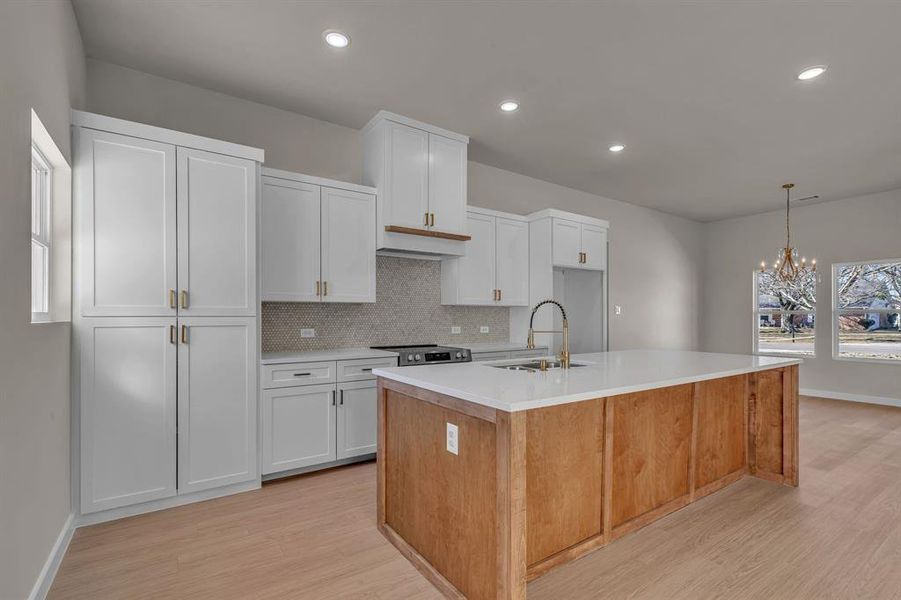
point(533, 365)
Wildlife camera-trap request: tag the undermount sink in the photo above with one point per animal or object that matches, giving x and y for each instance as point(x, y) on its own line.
point(533, 365)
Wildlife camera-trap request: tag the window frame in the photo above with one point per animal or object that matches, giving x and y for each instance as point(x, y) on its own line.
point(836, 312)
point(756, 313)
point(42, 171)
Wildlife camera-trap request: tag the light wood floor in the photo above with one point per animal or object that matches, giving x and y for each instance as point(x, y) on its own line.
point(837, 536)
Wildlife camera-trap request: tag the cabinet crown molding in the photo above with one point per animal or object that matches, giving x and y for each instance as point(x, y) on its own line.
point(384, 115)
point(553, 213)
point(321, 181)
point(89, 120)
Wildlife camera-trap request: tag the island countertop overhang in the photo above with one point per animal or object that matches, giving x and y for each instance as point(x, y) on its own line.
point(604, 374)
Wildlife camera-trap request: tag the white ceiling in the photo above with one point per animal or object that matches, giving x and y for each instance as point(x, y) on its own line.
point(703, 94)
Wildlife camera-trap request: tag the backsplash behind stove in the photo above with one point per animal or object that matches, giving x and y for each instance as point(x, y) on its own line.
point(408, 309)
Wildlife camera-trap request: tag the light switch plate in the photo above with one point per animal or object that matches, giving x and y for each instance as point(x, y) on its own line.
point(455, 329)
point(307, 333)
point(617, 309)
point(453, 439)
point(484, 329)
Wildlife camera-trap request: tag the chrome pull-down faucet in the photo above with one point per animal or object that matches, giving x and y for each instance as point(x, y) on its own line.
point(564, 352)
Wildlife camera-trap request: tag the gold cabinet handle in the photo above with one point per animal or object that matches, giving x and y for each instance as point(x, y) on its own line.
point(318, 291)
point(325, 288)
point(585, 257)
point(500, 294)
point(432, 222)
point(184, 334)
point(171, 334)
point(172, 301)
point(184, 298)
point(426, 224)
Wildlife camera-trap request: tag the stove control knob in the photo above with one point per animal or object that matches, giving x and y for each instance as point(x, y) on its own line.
point(409, 358)
point(417, 357)
point(459, 355)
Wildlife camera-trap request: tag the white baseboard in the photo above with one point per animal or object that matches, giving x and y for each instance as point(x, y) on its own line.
point(51, 566)
point(851, 397)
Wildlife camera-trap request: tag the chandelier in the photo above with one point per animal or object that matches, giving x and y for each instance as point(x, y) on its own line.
point(789, 266)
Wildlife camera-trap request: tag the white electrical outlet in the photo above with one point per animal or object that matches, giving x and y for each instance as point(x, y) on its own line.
point(455, 329)
point(483, 329)
point(307, 333)
point(617, 309)
point(453, 439)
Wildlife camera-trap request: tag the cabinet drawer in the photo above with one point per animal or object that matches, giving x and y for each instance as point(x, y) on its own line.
point(292, 374)
point(361, 369)
point(483, 356)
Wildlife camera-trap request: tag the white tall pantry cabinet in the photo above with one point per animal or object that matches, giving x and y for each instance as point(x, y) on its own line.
point(165, 322)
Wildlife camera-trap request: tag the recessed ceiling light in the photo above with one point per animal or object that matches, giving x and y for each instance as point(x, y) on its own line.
point(509, 106)
point(336, 39)
point(811, 72)
point(617, 148)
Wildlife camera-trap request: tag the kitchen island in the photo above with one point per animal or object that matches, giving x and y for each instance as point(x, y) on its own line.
point(490, 477)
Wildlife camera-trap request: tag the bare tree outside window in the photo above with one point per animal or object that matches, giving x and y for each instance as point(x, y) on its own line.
point(785, 314)
point(867, 315)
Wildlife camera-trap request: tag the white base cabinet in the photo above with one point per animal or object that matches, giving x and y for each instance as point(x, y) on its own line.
point(217, 420)
point(128, 411)
point(307, 422)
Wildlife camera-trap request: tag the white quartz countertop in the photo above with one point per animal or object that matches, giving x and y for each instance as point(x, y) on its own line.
point(275, 358)
point(495, 346)
point(604, 374)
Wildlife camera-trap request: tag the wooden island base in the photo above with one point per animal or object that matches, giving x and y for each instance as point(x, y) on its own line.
point(532, 490)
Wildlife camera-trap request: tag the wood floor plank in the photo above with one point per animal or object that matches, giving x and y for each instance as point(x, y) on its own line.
point(314, 536)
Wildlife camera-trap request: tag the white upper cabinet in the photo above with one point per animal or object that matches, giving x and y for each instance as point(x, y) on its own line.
point(216, 234)
point(318, 239)
point(420, 172)
point(447, 184)
point(128, 411)
point(594, 247)
point(580, 245)
point(348, 246)
point(217, 409)
point(512, 261)
point(290, 244)
point(126, 218)
point(407, 179)
point(567, 236)
point(495, 269)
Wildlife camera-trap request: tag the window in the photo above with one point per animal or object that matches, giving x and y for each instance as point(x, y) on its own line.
point(867, 311)
point(784, 314)
point(40, 236)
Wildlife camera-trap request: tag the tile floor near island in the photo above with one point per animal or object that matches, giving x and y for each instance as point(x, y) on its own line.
point(836, 536)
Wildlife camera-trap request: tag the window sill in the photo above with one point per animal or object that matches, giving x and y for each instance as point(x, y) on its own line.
point(785, 354)
point(878, 361)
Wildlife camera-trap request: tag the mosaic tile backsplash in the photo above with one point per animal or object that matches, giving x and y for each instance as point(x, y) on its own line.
point(408, 309)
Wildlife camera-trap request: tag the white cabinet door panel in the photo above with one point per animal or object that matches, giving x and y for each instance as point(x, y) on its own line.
point(290, 240)
point(348, 246)
point(298, 427)
point(567, 243)
point(447, 184)
point(216, 233)
point(513, 262)
point(594, 245)
point(407, 176)
point(217, 408)
point(128, 411)
point(126, 188)
point(477, 267)
point(357, 418)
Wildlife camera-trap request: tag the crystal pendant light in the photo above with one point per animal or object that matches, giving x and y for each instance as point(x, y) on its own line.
point(789, 265)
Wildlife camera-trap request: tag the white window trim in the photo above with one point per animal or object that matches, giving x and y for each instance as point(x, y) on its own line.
point(46, 234)
point(836, 311)
point(755, 326)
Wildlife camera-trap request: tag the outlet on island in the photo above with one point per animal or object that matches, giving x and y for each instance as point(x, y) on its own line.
point(453, 439)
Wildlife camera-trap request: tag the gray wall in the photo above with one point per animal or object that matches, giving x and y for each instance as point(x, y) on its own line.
point(854, 229)
point(41, 67)
point(655, 257)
